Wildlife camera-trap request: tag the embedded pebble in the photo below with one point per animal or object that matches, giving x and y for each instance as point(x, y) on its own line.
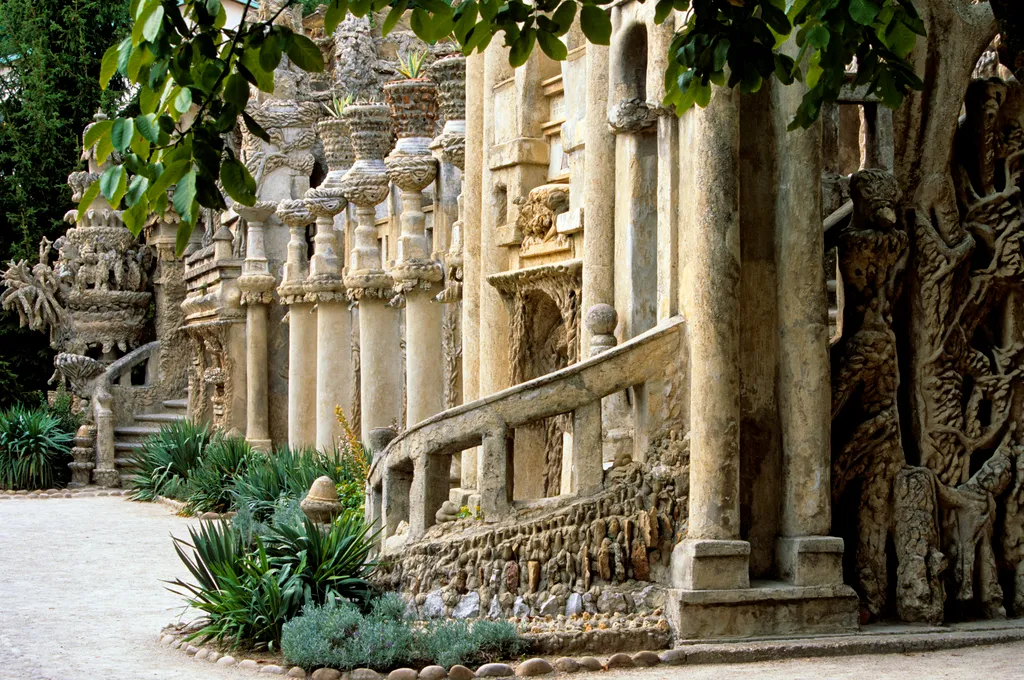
point(646, 659)
point(532, 667)
point(459, 672)
point(591, 664)
point(191, 650)
point(494, 670)
point(166, 639)
point(296, 672)
point(673, 657)
point(567, 665)
point(404, 674)
point(271, 669)
point(226, 661)
point(248, 664)
point(213, 657)
point(619, 660)
point(433, 673)
point(326, 674)
point(202, 653)
point(364, 674)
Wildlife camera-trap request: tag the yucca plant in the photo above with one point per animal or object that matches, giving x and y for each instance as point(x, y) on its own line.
point(336, 108)
point(286, 472)
point(209, 485)
point(246, 599)
point(411, 65)
point(163, 466)
point(332, 561)
point(34, 449)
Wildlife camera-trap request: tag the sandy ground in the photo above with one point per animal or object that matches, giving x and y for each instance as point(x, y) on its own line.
point(82, 598)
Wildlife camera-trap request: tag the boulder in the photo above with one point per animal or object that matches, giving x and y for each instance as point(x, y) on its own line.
point(494, 670)
point(433, 673)
point(567, 665)
point(468, 607)
point(433, 606)
point(532, 667)
point(619, 660)
point(458, 672)
point(574, 605)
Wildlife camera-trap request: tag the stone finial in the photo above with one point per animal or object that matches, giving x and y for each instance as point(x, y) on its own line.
point(379, 439)
point(321, 503)
point(601, 321)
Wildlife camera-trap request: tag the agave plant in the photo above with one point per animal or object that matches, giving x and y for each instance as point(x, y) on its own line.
point(411, 65)
point(337, 106)
point(288, 472)
point(167, 459)
point(34, 449)
point(209, 485)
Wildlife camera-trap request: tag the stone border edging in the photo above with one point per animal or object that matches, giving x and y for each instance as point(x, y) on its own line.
point(689, 654)
point(81, 492)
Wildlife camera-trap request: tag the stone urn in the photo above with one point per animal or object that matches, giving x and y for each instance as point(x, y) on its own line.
point(321, 503)
point(449, 74)
point(413, 104)
point(338, 150)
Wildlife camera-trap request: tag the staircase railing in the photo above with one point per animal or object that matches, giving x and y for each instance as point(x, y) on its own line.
point(409, 479)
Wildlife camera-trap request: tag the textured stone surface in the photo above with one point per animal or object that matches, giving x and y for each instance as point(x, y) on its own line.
point(460, 672)
point(646, 658)
point(468, 607)
point(403, 674)
point(591, 664)
point(619, 661)
point(532, 667)
point(567, 665)
point(326, 674)
point(364, 674)
point(433, 673)
point(494, 670)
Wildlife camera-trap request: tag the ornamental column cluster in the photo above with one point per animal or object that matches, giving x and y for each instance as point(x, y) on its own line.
point(325, 288)
point(365, 185)
point(412, 167)
point(257, 286)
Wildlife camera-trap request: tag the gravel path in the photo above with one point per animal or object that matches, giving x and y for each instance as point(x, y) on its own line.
point(82, 598)
point(82, 594)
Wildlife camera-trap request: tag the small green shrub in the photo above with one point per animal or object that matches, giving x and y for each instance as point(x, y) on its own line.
point(167, 459)
point(209, 484)
point(62, 409)
point(286, 472)
point(34, 449)
point(335, 635)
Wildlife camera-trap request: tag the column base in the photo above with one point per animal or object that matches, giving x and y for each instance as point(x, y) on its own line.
point(264, 445)
point(764, 609)
point(705, 564)
point(810, 560)
point(108, 479)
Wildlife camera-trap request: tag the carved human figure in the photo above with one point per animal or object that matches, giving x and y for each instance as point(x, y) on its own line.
point(867, 446)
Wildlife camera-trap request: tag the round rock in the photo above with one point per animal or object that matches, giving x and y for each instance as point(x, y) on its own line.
point(326, 674)
point(249, 664)
point(532, 667)
point(432, 673)
point(202, 653)
point(591, 664)
point(644, 659)
point(364, 674)
point(458, 672)
point(567, 665)
point(226, 661)
point(403, 674)
point(295, 672)
point(673, 657)
point(271, 669)
point(494, 670)
point(619, 660)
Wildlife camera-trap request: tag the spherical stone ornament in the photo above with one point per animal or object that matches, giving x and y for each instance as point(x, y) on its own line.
point(601, 319)
point(295, 213)
point(325, 202)
point(321, 503)
point(411, 172)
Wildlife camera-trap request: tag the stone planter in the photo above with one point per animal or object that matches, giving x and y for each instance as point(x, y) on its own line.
point(449, 74)
point(366, 182)
point(334, 133)
point(413, 104)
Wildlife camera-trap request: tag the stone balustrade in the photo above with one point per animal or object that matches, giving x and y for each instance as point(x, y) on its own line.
point(408, 481)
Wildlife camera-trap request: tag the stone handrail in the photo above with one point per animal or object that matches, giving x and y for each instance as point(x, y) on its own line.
point(409, 479)
point(129, 361)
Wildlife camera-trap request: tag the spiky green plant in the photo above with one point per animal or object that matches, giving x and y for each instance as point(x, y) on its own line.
point(287, 472)
point(209, 484)
point(411, 64)
point(163, 465)
point(34, 449)
point(336, 107)
point(335, 561)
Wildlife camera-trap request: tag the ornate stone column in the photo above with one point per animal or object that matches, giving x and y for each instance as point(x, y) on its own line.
point(302, 346)
point(257, 285)
point(450, 76)
point(366, 185)
point(412, 168)
point(325, 288)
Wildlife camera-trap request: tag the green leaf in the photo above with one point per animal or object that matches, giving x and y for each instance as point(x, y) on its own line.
point(139, 146)
point(104, 147)
point(136, 190)
point(146, 125)
point(113, 184)
point(135, 62)
point(596, 25)
point(109, 65)
point(818, 37)
point(170, 175)
point(238, 182)
point(95, 131)
point(152, 26)
point(552, 46)
point(183, 102)
point(776, 19)
point(134, 217)
point(249, 67)
point(270, 52)
point(236, 90)
point(185, 195)
point(305, 54)
point(183, 236)
point(393, 16)
point(720, 54)
point(255, 128)
point(522, 47)
point(863, 11)
point(87, 198)
point(336, 11)
point(662, 10)
point(702, 93)
point(121, 133)
point(565, 15)
point(900, 38)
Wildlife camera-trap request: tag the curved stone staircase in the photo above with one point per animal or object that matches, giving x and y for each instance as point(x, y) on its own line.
point(128, 440)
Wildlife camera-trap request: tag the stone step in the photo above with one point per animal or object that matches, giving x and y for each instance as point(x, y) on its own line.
point(123, 445)
point(124, 464)
point(159, 417)
point(176, 404)
point(134, 432)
